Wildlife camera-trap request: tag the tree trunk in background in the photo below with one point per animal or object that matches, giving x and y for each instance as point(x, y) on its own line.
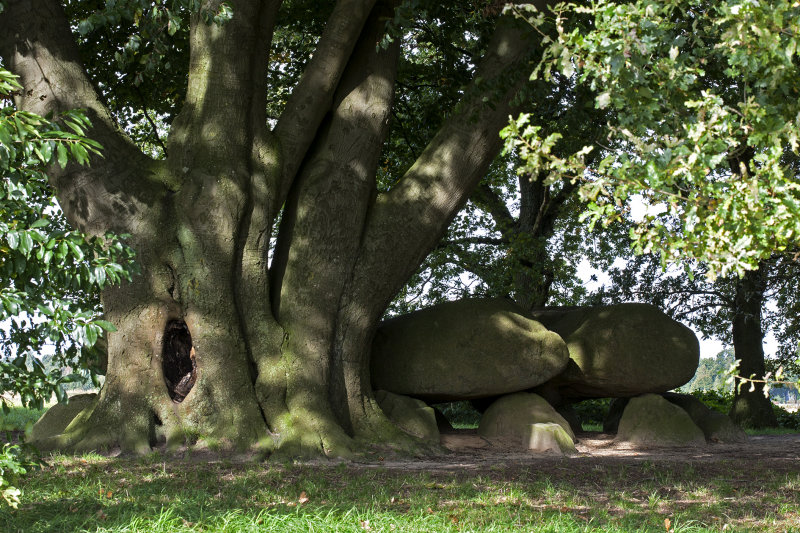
point(750, 407)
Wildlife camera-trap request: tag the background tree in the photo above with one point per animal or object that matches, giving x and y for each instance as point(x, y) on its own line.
point(703, 132)
point(703, 126)
point(734, 310)
point(713, 373)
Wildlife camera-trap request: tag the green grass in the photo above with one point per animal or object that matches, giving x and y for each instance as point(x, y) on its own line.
point(772, 431)
point(160, 494)
point(156, 494)
point(19, 418)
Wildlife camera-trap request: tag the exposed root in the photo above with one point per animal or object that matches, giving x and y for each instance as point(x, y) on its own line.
point(307, 436)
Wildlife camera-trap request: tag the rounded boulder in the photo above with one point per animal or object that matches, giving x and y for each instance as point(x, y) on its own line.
point(651, 420)
point(620, 350)
point(512, 416)
point(464, 350)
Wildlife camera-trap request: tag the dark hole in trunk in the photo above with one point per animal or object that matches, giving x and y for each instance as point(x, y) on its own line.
point(180, 369)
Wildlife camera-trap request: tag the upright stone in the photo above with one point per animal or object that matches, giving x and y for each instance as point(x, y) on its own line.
point(413, 416)
point(716, 426)
point(56, 419)
point(463, 350)
point(620, 351)
point(512, 416)
point(653, 421)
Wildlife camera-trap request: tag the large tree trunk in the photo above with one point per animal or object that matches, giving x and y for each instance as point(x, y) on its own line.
point(211, 343)
point(750, 407)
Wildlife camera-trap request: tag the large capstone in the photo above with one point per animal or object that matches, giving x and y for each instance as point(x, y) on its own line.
point(463, 350)
point(511, 417)
point(620, 351)
point(651, 420)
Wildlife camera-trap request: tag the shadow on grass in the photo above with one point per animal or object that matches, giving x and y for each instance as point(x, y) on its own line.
point(93, 493)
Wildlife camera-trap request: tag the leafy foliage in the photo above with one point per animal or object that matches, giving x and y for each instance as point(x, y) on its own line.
point(50, 274)
point(12, 466)
point(720, 401)
point(712, 374)
point(592, 412)
point(705, 118)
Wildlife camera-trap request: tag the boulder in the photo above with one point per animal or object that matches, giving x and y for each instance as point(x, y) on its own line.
point(413, 416)
point(463, 350)
point(56, 419)
point(653, 421)
point(619, 351)
point(716, 427)
point(511, 417)
point(442, 422)
point(549, 437)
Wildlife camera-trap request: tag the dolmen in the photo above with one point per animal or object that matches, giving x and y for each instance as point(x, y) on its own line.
point(525, 368)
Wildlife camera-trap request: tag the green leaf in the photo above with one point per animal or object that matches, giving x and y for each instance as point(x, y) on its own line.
point(99, 275)
point(42, 222)
point(62, 155)
point(12, 238)
point(91, 335)
point(106, 325)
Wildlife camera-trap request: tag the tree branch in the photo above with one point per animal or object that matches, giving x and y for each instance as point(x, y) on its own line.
point(407, 222)
point(36, 44)
point(488, 200)
point(312, 98)
point(226, 94)
point(473, 240)
point(337, 177)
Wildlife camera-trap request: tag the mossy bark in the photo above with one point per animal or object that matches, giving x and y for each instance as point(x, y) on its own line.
point(281, 352)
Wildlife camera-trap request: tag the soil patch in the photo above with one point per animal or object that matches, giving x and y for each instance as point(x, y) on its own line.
point(469, 451)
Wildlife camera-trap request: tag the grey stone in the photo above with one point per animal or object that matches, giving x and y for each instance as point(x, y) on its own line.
point(413, 416)
point(549, 437)
point(615, 410)
point(56, 419)
point(620, 351)
point(653, 421)
point(464, 350)
point(716, 426)
point(511, 416)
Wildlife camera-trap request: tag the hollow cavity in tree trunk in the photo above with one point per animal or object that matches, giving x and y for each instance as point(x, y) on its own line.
point(180, 368)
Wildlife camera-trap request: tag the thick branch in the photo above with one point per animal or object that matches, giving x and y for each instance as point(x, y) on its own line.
point(36, 44)
point(473, 240)
point(326, 209)
point(312, 98)
point(226, 95)
point(490, 201)
point(407, 222)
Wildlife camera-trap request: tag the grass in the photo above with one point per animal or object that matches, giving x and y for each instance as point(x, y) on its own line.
point(158, 494)
point(772, 431)
point(19, 418)
point(192, 493)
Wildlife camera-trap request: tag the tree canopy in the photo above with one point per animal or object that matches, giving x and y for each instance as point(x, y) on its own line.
point(703, 127)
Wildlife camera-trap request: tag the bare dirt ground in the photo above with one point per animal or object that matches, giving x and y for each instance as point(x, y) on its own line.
point(468, 451)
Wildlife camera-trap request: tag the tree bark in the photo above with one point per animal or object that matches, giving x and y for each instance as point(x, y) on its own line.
point(750, 407)
point(279, 355)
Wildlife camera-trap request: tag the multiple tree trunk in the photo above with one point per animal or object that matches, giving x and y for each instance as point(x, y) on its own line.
point(280, 351)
